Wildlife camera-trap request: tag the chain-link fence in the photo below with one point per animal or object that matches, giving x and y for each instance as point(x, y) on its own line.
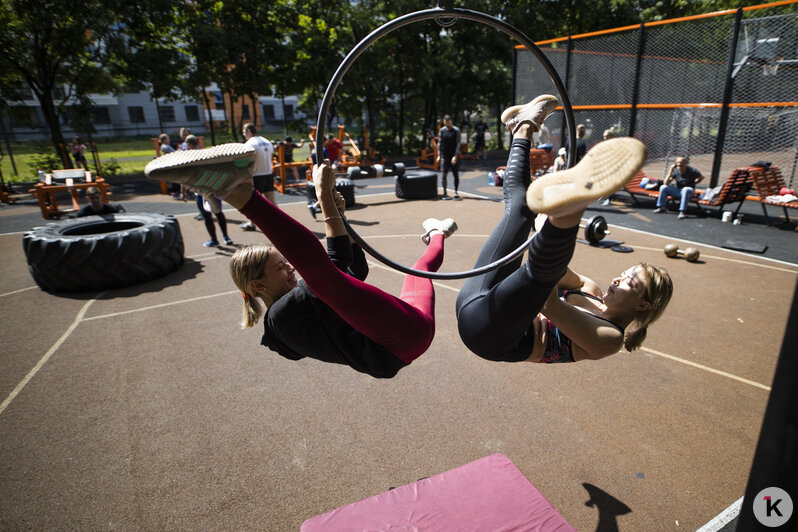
point(669, 84)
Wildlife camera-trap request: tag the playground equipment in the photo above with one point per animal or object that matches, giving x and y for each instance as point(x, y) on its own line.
point(280, 168)
point(370, 155)
point(430, 152)
point(70, 181)
point(95, 155)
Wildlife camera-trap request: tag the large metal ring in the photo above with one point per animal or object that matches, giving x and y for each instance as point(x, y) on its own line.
point(428, 14)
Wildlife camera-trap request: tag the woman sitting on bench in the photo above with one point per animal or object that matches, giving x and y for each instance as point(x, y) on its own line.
point(514, 313)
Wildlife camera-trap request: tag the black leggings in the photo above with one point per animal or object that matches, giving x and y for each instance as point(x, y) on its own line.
point(495, 311)
point(208, 218)
point(455, 168)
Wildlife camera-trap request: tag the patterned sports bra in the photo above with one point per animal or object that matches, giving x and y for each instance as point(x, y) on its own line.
point(558, 346)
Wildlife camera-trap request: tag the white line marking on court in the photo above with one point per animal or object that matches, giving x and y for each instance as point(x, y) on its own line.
point(18, 291)
point(142, 309)
point(739, 261)
point(705, 368)
point(48, 354)
point(648, 350)
point(704, 245)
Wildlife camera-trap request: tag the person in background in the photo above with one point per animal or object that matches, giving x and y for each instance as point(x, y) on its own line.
point(165, 144)
point(448, 154)
point(334, 149)
point(684, 179)
point(480, 128)
point(192, 143)
point(263, 176)
point(184, 133)
point(78, 153)
point(96, 204)
point(288, 154)
point(560, 163)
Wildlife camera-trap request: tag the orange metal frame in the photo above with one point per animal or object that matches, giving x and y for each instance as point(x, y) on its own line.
point(662, 22)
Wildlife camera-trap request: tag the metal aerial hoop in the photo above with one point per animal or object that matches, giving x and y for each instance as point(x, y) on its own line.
point(445, 16)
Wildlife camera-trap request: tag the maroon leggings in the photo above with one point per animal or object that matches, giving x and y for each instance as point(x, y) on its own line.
point(404, 326)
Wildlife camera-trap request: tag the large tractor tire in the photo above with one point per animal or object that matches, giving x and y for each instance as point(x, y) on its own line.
point(100, 252)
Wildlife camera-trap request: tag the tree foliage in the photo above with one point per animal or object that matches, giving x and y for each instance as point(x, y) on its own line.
point(51, 45)
point(398, 89)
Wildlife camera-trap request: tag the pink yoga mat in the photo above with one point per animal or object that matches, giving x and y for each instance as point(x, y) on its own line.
point(487, 494)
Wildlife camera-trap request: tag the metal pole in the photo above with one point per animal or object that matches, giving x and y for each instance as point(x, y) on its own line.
point(727, 94)
point(565, 82)
point(641, 40)
point(513, 92)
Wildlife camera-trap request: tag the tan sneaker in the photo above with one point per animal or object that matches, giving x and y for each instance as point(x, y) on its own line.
point(445, 227)
point(607, 167)
point(532, 113)
point(210, 172)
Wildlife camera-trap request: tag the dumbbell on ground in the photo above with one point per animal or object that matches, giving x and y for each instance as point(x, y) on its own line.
point(691, 254)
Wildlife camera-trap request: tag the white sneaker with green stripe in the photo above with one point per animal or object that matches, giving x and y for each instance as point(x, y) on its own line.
point(210, 172)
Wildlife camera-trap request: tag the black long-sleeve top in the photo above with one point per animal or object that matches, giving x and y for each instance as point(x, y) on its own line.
point(300, 325)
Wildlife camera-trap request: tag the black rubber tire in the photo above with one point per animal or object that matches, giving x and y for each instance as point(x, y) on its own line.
point(100, 252)
point(347, 189)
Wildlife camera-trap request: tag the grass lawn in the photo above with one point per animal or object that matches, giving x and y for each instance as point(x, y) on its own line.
point(132, 154)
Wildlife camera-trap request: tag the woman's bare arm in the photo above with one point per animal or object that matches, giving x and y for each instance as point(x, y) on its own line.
point(574, 281)
point(596, 337)
point(324, 180)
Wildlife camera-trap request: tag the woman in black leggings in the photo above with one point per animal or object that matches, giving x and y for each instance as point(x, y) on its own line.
point(514, 313)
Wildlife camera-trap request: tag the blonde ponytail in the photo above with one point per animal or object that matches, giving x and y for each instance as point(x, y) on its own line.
point(658, 292)
point(634, 338)
point(247, 264)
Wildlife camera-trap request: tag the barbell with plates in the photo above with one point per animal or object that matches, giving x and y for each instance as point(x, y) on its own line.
point(595, 229)
point(376, 170)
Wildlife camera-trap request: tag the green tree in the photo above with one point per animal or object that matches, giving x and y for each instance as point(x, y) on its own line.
point(53, 46)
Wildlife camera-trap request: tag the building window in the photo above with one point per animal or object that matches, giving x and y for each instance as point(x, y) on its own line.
point(136, 114)
point(192, 113)
point(100, 115)
point(167, 113)
point(289, 112)
point(268, 112)
point(218, 99)
point(244, 111)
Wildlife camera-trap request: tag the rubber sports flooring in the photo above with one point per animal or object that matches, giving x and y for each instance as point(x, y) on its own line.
point(148, 408)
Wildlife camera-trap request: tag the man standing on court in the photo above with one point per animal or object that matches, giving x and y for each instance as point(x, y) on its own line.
point(263, 176)
point(581, 145)
point(479, 144)
point(448, 151)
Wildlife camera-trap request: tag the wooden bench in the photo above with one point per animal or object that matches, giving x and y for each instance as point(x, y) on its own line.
point(768, 182)
point(734, 190)
point(633, 188)
point(540, 160)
